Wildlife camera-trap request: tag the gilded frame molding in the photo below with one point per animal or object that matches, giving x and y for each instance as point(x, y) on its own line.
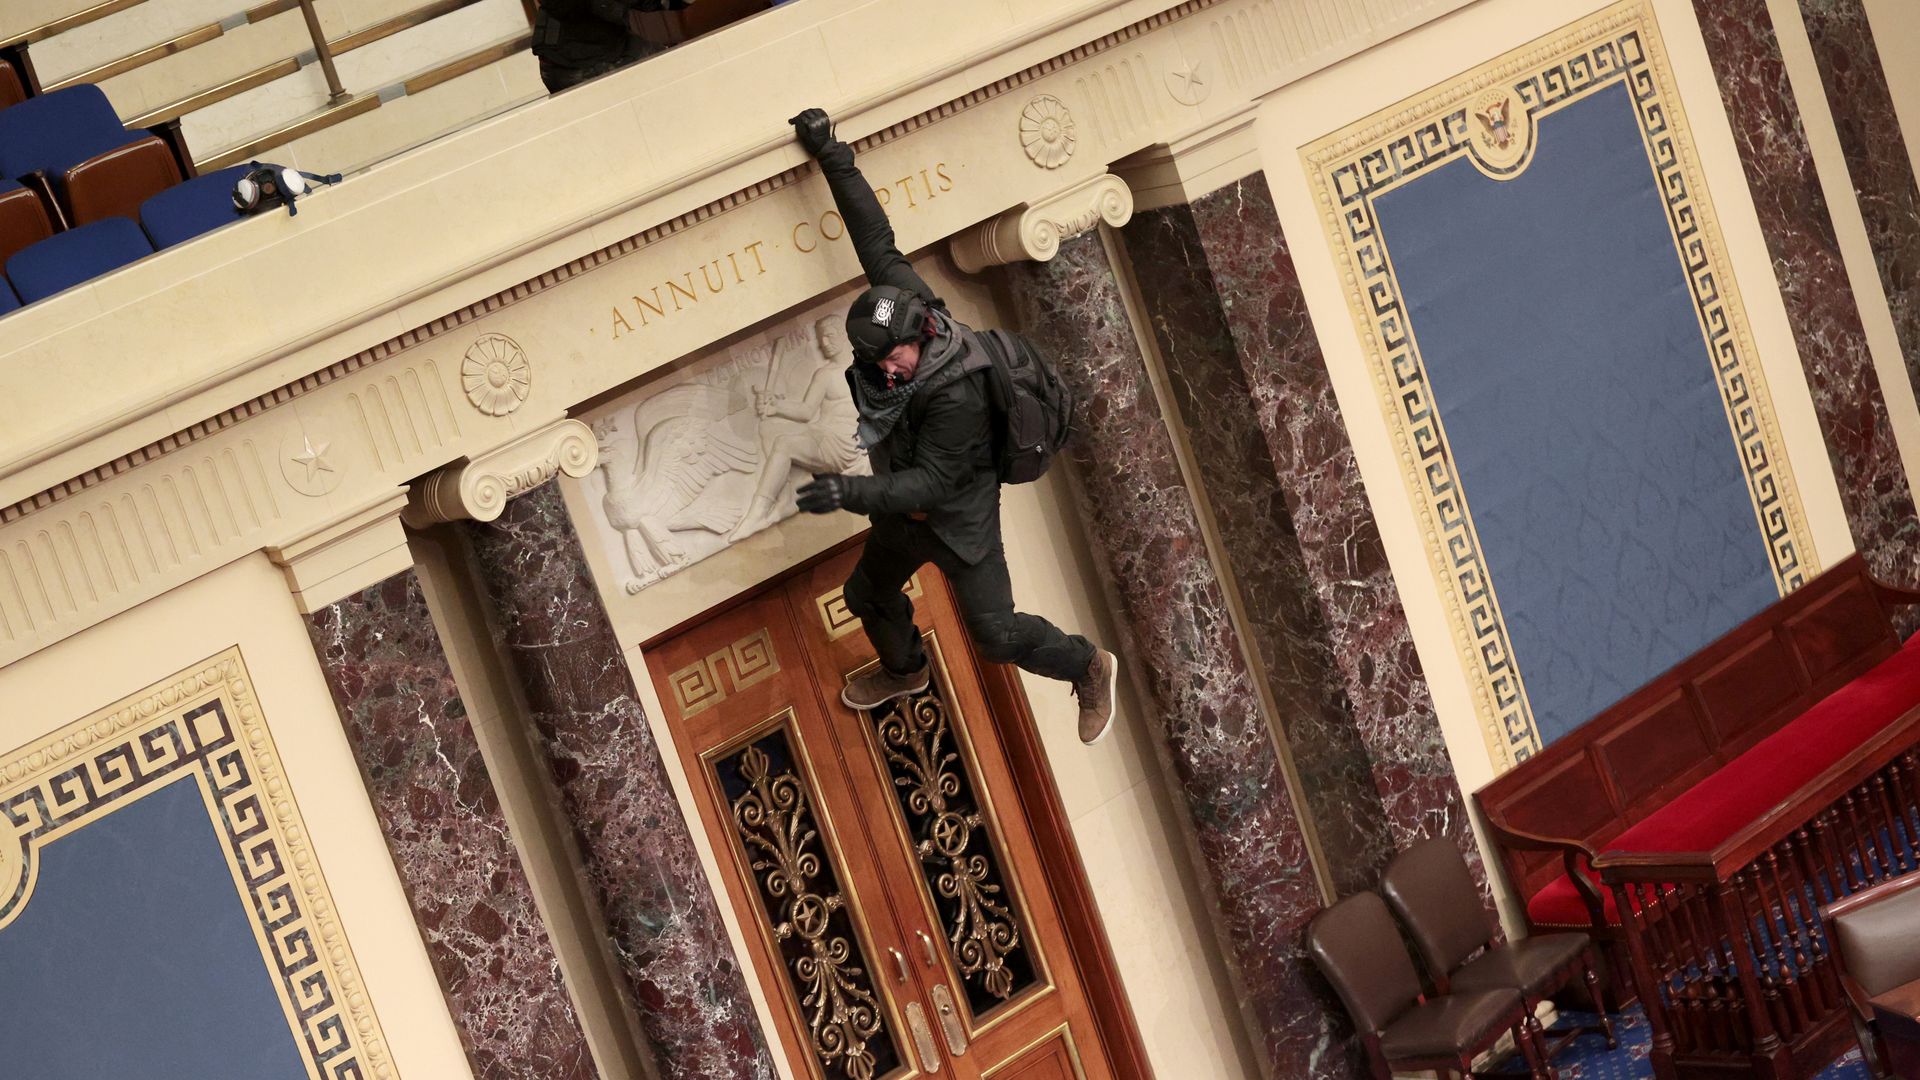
point(1350, 167)
point(203, 726)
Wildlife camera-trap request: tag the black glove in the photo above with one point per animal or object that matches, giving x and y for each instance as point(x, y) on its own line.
point(815, 129)
point(827, 493)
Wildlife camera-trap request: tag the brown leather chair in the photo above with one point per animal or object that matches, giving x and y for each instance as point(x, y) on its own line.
point(13, 89)
point(1359, 950)
point(1430, 888)
point(116, 182)
point(23, 219)
point(1876, 936)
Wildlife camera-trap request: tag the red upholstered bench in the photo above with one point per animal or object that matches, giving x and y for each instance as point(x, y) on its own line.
point(1703, 751)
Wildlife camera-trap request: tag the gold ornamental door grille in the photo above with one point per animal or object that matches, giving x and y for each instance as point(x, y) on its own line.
point(896, 917)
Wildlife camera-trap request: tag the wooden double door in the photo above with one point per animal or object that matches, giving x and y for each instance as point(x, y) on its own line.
point(892, 894)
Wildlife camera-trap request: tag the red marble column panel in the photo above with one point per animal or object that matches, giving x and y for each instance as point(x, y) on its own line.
point(640, 860)
point(436, 804)
point(1223, 756)
point(1813, 281)
point(1237, 249)
point(1290, 634)
point(1877, 159)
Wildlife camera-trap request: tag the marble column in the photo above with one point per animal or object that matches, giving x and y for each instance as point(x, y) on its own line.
point(1847, 394)
point(639, 855)
point(394, 688)
point(1219, 287)
point(1184, 650)
point(1877, 159)
point(1260, 545)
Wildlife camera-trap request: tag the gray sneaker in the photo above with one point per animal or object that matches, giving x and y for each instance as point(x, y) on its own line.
point(879, 686)
point(1095, 690)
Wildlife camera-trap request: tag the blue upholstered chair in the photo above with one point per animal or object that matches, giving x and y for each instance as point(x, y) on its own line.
point(186, 210)
point(80, 254)
point(8, 301)
point(49, 133)
point(93, 164)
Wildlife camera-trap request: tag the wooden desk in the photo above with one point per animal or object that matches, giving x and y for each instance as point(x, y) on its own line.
point(1897, 1014)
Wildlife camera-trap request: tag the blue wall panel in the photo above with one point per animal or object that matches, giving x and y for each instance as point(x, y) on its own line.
point(136, 958)
point(1578, 396)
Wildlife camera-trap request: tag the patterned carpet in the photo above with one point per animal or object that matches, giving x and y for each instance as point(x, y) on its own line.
point(1589, 1059)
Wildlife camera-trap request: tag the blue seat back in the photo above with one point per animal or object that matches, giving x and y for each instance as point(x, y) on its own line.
point(53, 132)
point(188, 209)
point(77, 255)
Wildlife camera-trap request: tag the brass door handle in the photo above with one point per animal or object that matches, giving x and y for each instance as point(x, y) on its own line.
point(926, 948)
point(899, 963)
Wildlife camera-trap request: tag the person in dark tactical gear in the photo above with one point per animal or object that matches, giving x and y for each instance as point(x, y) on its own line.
point(576, 40)
point(922, 384)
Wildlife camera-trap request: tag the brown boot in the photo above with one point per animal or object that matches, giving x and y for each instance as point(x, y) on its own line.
point(879, 686)
point(1095, 690)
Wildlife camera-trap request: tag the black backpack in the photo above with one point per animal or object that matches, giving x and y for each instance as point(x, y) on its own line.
point(1032, 407)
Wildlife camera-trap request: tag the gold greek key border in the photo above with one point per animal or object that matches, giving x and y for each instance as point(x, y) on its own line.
point(1351, 167)
point(699, 686)
point(204, 724)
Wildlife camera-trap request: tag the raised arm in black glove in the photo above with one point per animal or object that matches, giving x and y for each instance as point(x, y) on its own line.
point(815, 129)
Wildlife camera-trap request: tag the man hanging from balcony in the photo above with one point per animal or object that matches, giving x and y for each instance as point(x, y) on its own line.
point(920, 380)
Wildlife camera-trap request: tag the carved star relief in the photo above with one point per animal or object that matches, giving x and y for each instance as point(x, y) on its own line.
point(305, 460)
point(314, 457)
point(1188, 83)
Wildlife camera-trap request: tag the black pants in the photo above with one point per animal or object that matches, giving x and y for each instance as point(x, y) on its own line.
point(897, 548)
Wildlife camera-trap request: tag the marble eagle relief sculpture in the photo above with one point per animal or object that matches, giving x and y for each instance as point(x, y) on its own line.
point(714, 458)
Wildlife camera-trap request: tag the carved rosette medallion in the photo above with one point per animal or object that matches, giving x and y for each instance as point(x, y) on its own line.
point(1046, 131)
point(496, 375)
point(948, 831)
point(805, 911)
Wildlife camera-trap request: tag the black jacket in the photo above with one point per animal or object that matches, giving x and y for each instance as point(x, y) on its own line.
point(938, 460)
point(576, 33)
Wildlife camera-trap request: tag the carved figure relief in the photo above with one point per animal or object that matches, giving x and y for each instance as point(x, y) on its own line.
point(713, 456)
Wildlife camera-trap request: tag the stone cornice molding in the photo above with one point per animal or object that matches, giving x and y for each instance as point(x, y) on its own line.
point(99, 515)
point(1182, 170)
point(364, 547)
point(1035, 231)
point(479, 489)
point(66, 466)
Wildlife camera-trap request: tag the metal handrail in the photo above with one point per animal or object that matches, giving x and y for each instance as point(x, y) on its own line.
point(336, 93)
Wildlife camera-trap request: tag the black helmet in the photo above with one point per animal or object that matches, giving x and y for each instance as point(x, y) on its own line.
point(882, 317)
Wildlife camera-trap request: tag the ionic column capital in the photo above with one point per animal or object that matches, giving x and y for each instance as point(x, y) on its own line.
point(1035, 230)
point(479, 489)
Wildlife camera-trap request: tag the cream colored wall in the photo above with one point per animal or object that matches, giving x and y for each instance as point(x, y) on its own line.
point(1127, 828)
point(1896, 27)
point(1311, 108)
point(247, 603)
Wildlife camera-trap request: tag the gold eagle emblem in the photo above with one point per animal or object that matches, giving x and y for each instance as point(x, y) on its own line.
point(1494, 122)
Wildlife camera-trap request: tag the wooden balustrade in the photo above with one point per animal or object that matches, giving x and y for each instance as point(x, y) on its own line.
point(1728, 949)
